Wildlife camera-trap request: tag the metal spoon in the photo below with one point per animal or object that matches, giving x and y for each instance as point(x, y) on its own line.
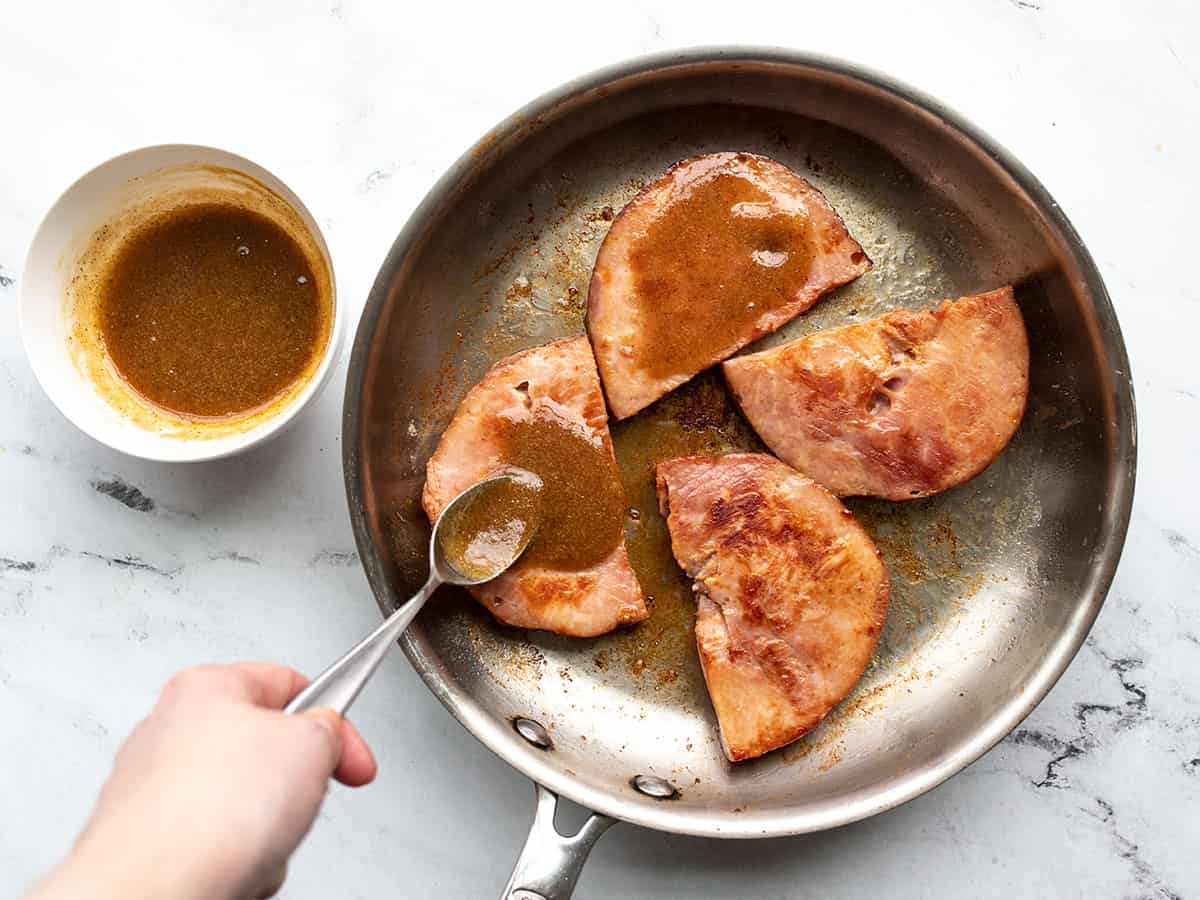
point(338, 686)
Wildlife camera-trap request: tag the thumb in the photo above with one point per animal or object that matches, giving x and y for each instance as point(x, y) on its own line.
point(329, 724)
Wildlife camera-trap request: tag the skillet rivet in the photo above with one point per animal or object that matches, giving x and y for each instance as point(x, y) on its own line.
point(653, 786)
point(533, 732)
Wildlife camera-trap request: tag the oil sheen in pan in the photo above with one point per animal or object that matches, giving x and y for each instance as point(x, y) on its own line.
point(532, 289)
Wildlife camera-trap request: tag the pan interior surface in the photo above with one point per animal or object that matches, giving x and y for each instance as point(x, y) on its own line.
point(994, 583)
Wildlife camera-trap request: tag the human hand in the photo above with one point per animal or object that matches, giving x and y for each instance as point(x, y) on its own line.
point(212, 792)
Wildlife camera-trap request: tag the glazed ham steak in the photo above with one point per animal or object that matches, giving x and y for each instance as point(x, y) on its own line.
point(898, 407)
point(791, 593)
point(542, 410)
point(718, 251)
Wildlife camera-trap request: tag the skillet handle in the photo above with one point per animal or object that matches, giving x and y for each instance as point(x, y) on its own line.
point(550, 863)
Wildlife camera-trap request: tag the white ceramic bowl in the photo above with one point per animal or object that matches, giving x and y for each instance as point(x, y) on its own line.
point(45, 305)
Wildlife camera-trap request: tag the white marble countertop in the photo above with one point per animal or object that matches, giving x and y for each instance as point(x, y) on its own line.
point(360, 106)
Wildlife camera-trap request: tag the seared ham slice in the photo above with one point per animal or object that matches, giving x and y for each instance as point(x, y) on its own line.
point(899, 407)
point(791, 593)
point(550, 390)
point(715, 253)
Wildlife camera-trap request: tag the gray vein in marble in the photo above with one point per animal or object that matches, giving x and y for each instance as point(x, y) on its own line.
point(335, 558)
point(1179, 542)
point(17, 598)
point(6, 280)
point(1182, 65)
point(234, 556)
point(1062, 750)
point(1128, 850)
point(123, 493)
point(129, 562)
point(376, 178)
point(1129, 714)
point(1026, 4)
point(1122, 666)
point(57, 551)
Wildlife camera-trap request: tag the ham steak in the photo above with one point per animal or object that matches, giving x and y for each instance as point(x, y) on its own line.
point(718, 251)
point(542, 410)
point(791, 593)
point(899, 407)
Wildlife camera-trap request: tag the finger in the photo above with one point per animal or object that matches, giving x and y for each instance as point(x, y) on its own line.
point(272, 885)
point(268, 685)
point(332, 728)
point(357, 765)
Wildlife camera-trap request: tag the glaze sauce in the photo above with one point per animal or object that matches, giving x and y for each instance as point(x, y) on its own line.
point(211, 312)
point(583, 503)
point(712, 265)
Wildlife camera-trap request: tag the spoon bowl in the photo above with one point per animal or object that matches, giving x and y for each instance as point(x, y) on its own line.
point(491, 523)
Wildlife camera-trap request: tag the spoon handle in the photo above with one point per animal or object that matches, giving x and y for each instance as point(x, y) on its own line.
point(338, 686)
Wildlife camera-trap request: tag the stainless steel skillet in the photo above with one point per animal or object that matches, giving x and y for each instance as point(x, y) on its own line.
point(994, 584)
